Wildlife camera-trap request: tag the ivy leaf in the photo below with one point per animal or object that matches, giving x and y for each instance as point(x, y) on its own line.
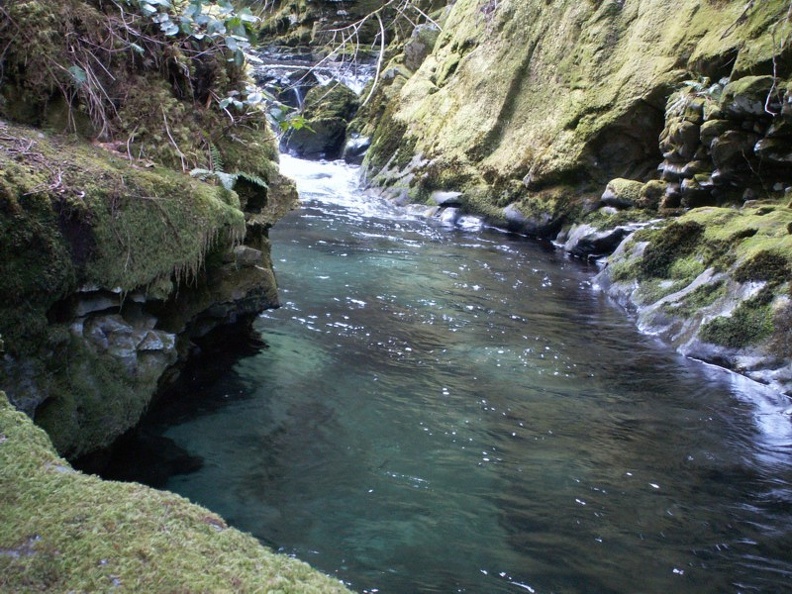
point(147, 8)
point(79, 76)
point(246, 16)
point(254, 98)
point(170, 28)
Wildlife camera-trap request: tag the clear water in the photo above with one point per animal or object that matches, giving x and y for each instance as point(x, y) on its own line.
point(462, 411)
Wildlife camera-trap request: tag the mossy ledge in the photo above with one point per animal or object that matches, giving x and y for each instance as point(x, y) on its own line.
point(64, 531)
point(114, 258)
point(111, 267)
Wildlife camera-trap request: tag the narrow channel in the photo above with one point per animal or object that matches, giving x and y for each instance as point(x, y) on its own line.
point(460, 410)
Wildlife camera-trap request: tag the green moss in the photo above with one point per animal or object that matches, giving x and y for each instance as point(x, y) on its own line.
point(676, 240)
point(652, 290)
point(607, 219)
point(563, 93)
point(624, 270)
point(696, 300)
point(686, 269)
point(63, 531)
point(92, 399)
point(749, 324)
point(160, 224)
point(72, 214)
point(765, 266)
point(35, 260)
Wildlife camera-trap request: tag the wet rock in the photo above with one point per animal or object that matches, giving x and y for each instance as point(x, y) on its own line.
point(671, 172)
point(328, 111)
point(446, 198)
point(247, 256)
point(746, 96)
point(355, 149)
point(541, 224)
point(711, 129)
point(651, 195)
point(696, 167)
point(420, 45)
point(733, 149)
point(449, 216)
point(682, 140)
point(672, 197)
point(696, 191)
point(586, 241)
point(775, 150)
point(95, 302)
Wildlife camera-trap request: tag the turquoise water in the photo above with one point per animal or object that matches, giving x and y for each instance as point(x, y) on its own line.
point(446, 410)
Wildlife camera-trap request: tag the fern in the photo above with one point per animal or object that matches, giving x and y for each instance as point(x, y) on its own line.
point(228, 180)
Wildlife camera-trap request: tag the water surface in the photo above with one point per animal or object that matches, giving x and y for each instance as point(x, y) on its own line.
point(462, 411)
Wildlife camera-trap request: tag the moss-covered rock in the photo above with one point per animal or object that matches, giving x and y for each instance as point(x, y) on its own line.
point(63, 531)
point(113, 257)
point(568, 93)
point(88, 234)
point(328, 111)
point(715, 282)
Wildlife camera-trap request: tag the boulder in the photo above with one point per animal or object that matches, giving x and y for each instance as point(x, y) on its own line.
point(733, 149)
point(746, 96)
point(622, 193)
point(651, 194)
point(586, 241)
point(420, 45)
point(355, 149)
point(328, 111)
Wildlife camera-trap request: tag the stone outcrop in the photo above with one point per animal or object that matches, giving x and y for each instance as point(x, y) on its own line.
point(135, 202)
point(529, 105)
point(327, 113)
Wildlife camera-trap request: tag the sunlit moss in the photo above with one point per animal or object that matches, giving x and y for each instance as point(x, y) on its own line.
point(63, 531)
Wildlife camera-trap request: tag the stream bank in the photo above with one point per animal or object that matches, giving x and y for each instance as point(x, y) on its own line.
point(582, 123)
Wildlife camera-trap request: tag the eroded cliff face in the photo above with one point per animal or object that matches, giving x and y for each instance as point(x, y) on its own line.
point(521, 97)
point(112, 270)
point(583, 122)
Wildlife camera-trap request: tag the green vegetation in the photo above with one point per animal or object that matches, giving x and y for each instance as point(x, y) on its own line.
point(63, 531)
point(750, 245)
point(696, 300)
point(750, 323)
point(75, 214)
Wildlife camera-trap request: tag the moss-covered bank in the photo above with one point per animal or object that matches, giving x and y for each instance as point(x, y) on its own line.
point(113, 257)
point(110, 266)
point(63, 531)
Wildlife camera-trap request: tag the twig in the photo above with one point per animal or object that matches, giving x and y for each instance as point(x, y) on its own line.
point(379, 61)
point(176, 146)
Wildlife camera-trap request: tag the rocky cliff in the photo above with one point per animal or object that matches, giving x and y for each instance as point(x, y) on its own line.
point(582, 122)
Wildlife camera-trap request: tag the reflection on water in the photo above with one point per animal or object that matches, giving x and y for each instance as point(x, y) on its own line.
point(449, 412)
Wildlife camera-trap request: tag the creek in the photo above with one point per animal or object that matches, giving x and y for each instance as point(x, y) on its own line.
point(456, 409)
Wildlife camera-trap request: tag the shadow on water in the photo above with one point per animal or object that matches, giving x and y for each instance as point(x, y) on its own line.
point(439, 411)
